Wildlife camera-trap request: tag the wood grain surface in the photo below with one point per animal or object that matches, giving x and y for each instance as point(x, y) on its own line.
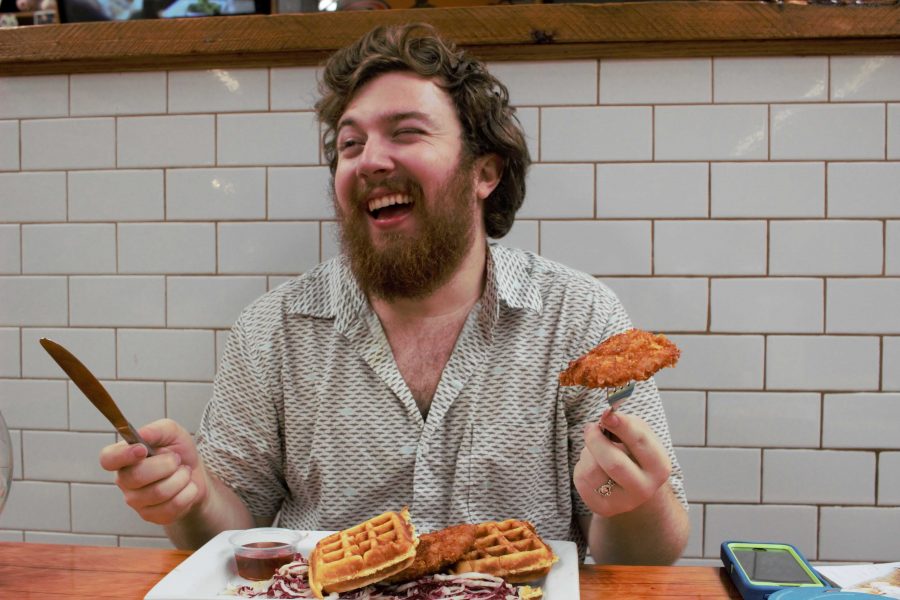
point(509, 32)
point(45, 571)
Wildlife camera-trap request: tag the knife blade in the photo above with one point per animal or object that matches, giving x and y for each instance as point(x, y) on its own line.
point(94, 391)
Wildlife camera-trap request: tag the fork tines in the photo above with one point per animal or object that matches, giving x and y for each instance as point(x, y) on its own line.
point(617, 394)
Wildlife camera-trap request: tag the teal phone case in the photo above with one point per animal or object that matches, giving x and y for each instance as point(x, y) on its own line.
point(753, 588)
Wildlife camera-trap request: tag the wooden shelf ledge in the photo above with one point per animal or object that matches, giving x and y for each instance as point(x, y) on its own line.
point(506, 32)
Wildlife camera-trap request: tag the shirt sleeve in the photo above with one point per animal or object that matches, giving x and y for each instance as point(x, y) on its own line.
point(585, 405)
point(240, 433)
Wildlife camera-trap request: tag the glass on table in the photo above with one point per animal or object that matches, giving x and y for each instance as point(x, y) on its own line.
point(6, 462)
point(259, 552)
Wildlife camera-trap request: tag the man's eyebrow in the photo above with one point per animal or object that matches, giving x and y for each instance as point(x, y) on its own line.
point(412, 114)
point(345, 123)
point(390, 118)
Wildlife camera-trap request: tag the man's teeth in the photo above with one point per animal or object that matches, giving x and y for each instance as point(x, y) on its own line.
point(388, 201)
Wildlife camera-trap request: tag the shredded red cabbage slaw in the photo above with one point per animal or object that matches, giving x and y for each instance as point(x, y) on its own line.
point(290, 581)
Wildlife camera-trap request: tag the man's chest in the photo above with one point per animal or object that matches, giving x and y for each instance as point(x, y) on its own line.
point(421, 356)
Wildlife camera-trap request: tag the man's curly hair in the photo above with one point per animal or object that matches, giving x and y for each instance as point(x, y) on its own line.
point(489, 123)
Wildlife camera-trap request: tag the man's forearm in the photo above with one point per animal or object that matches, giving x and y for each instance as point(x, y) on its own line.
point(654, 533)
point(221, 510)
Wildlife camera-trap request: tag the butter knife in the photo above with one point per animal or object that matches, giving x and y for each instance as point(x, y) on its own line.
point(94, 391)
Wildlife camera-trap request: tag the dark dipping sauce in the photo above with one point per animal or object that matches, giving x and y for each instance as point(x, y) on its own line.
point(258, 561)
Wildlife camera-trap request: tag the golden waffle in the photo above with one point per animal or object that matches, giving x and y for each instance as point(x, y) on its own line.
point(509, 549)
point(363, 554)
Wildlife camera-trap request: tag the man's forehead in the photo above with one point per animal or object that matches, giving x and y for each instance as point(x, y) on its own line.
point(396, 96)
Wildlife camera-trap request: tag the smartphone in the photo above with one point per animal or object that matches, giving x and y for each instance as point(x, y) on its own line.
point(758, 569)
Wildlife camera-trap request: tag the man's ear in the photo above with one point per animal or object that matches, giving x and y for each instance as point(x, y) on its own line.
point(487, 171)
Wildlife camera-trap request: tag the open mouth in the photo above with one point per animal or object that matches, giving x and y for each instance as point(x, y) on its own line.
point(390, 206)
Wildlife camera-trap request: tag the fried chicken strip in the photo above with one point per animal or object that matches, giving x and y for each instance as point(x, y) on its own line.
point(437, 551)
point(634, 355)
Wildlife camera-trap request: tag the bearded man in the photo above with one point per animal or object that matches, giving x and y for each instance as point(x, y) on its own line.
point(419, 368)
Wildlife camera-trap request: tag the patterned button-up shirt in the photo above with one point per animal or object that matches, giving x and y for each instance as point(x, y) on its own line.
point(311, 417)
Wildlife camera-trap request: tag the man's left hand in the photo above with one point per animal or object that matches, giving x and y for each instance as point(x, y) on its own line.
point(617, 477)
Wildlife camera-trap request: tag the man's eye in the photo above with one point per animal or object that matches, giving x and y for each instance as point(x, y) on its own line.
point(408, 131)
point(348, 144)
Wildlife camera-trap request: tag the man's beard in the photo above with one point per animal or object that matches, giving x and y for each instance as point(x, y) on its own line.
point(412, 265)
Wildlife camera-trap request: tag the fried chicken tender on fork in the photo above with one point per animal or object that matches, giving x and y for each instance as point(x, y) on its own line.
point(633, 355)
point(437, 551)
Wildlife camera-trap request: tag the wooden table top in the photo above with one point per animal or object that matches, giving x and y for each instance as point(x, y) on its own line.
point(50, 571)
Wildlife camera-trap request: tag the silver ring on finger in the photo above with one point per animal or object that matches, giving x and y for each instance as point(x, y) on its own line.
point(606, 489)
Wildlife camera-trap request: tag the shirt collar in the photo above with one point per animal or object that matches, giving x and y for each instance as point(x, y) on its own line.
point(511, 273)
point(332, 291)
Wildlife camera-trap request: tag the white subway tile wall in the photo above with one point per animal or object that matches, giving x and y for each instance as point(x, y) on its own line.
point(216, 194)
point(571, 186)
point(695, 539)
point(748, 207)
point(827, 131)
point(889, 478)
point(218, 90)
point(865, 78)
point(293, 88)
point(9, 352)
point(88, 143)
point(142, 401)
point(711, 132)
point(9, 145)
point(166, 141)
point(38, 96)
point(95, 94)
point(710, 247)
point(893, 131)
point(762, 522)
point(892, 248)
point(764, 419)
point(10, 249)
point(767, 190)
point(97, 301)
point(30, 197)
point(863, 189)
point(653, 190)
point(796, 79)
point(890, 366)
point(676, 81)
point(606, 133)
point(121, 195)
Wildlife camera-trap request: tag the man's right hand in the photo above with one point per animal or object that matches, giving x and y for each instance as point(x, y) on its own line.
point(162, 488)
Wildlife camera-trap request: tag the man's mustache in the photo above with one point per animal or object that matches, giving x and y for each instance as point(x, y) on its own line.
point(401, 185)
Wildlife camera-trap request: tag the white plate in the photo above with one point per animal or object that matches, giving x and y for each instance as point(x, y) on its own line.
point(206, 573)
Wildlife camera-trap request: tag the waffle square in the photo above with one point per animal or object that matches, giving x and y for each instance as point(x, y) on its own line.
point(363, 554)
point(509, 549)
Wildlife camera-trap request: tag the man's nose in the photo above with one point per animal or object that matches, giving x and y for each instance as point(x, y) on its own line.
point(375, 158)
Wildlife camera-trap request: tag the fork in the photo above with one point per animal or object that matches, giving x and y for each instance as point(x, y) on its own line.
point(614, 397)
